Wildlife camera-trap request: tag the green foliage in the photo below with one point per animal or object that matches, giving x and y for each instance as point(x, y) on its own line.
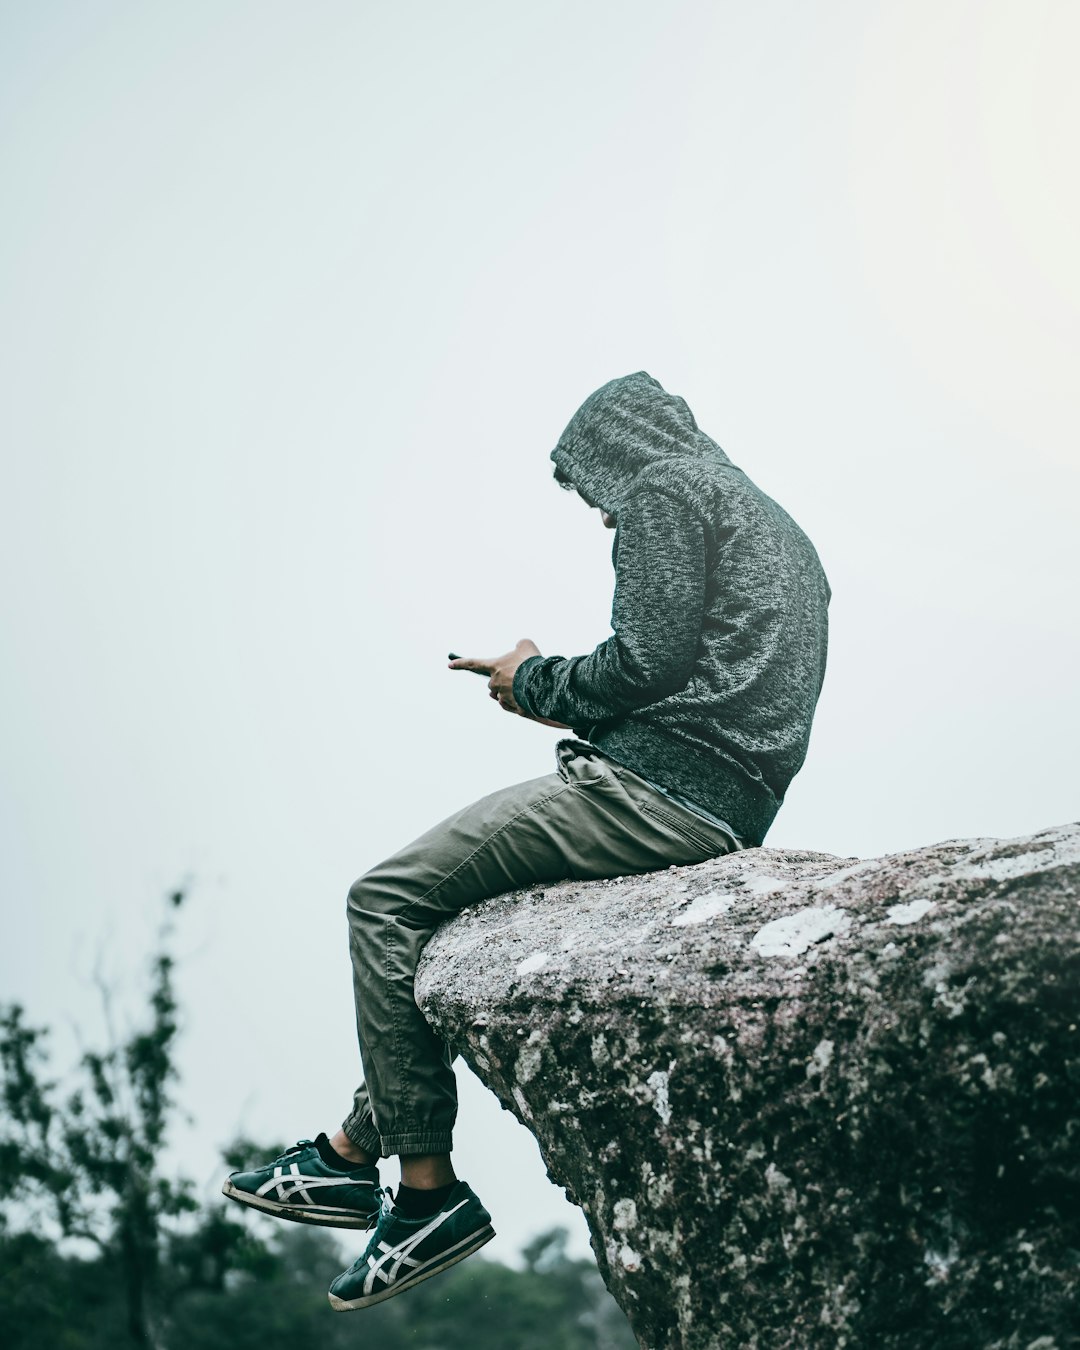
point(89, 1162)
point(49, 1302)
point(170, 1275)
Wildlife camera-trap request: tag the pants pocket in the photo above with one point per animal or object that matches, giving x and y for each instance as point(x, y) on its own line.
point(582, 764)
point(711, 845)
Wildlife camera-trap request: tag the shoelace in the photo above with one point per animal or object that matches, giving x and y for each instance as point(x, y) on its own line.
point(385, 1197)
point(298, 1147)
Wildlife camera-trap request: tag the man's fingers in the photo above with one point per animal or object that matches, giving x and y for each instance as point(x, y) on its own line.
point(472, 663)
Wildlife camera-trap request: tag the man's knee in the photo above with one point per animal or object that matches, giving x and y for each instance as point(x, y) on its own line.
point(378, 894)
point(359, 904)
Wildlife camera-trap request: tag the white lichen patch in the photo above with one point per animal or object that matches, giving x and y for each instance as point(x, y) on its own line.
point(1022, 865)
point(529, 1062)
point(522, 1105)
point(821, 1058)
point(936, 976)
point(912, 912)
point(792, 934)
point(657, 1186)
point(628, 1258)
point(532, 963)
point(836, 878)
point(980, 1067)
point(704, 908)
point(763, 885)
point(937, 979)
point(939, 1262)
point(658, 1083)
point(775, 1179)
point(625, 1215)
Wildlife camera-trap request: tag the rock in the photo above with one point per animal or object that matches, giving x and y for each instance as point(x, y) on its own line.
point(803, 1101)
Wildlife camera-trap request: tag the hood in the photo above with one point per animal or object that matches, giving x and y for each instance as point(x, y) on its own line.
point(625, 427)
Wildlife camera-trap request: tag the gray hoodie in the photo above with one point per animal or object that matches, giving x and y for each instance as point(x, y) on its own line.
point(708, 684)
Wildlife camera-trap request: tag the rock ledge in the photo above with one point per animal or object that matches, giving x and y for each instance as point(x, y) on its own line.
point(804, 1101)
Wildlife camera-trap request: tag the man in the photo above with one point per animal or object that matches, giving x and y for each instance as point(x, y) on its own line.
point(689, 723)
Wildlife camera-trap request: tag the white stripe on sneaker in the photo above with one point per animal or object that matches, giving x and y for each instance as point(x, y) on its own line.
point(404, 1249)
point(298, 1189)
point(284, 1187)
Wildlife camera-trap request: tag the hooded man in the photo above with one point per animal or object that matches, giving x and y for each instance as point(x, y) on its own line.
point(689, 723)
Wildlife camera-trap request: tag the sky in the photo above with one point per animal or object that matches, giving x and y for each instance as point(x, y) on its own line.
point(295, 301)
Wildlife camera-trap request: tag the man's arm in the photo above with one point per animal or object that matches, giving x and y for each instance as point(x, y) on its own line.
point(502, 669)
point(657, 615)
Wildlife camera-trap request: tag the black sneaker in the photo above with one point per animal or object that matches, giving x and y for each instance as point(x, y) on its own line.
point(403, 1252)
point(300, 1186)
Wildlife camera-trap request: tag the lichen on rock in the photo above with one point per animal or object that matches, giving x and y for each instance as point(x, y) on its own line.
point(803, 1101)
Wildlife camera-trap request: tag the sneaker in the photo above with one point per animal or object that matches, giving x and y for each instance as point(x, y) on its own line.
point(402, 1252)
point(300, 1185)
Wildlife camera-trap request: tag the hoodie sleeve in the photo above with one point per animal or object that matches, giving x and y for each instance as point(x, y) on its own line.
point(656, 615)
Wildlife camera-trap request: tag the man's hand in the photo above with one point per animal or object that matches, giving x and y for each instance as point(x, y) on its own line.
point(501, 670)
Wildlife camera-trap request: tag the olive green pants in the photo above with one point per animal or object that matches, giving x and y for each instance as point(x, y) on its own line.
point(592, 818)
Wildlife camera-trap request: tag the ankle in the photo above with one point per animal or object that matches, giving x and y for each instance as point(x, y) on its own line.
point(428, 1171)
point(343, 1145)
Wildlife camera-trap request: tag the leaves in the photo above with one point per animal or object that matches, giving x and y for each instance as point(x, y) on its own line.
point(89, 1163)
point(224, 1289)
point(169, 1274)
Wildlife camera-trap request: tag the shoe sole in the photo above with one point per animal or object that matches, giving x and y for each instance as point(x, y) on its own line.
point(322, 1216)
point(466, 1248)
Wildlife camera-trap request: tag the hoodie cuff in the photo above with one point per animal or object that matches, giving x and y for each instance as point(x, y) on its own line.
point(520, 680)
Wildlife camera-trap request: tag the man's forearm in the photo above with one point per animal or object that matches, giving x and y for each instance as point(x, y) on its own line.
point(581, 690)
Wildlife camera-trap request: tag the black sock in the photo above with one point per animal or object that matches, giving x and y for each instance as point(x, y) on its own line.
point(413, 1202)
point(332, 1158)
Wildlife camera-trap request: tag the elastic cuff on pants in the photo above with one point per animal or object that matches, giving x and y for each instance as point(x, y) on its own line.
point(406, 1145)
point(363, 1134)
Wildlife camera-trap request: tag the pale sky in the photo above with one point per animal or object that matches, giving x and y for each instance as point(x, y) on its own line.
point(294, 303)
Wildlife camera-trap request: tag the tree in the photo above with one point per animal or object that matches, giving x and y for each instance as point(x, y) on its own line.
point(84, 1162)
point(91, 1161)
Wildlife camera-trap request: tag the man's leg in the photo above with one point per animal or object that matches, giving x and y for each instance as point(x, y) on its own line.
point(590, 819)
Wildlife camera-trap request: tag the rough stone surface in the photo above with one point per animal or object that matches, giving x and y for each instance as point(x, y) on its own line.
point(803, 1101)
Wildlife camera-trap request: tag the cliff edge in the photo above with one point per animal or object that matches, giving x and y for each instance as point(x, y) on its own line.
point(804, 1101)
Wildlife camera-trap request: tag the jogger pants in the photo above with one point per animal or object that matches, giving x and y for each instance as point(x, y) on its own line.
point(592, 818)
